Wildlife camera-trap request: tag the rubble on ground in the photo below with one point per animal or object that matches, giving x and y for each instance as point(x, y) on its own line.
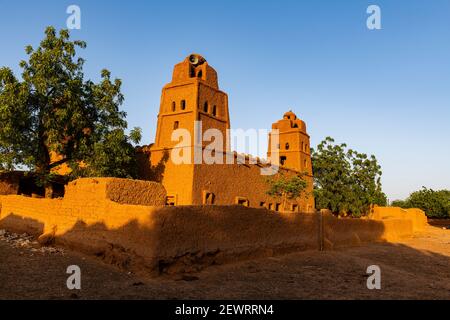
point(26, 241)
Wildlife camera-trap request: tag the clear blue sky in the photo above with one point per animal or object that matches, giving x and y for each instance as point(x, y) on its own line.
point(384, 92)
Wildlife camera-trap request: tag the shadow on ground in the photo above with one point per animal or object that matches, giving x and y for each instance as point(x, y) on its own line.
point(418, 268)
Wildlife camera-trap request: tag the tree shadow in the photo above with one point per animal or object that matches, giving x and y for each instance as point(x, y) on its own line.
point(19, 224)
point(147, 171)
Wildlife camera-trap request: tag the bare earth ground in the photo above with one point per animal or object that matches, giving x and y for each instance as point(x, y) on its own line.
point(417, 268)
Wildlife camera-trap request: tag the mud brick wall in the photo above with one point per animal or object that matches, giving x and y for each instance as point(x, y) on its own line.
point(165, 239)
point(123, 191)
point(417, 216)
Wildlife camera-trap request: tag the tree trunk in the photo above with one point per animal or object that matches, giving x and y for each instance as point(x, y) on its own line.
point(43, 165)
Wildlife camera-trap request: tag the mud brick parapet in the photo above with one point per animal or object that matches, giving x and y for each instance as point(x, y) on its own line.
point(123, 191)
point(417, 216)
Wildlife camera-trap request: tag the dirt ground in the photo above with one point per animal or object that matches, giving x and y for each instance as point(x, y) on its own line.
point(417, 268)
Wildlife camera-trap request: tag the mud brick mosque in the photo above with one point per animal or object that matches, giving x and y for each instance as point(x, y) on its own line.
point(189, 216)
point(194, 95)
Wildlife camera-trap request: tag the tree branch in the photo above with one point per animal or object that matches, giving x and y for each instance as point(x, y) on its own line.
point(58, 163)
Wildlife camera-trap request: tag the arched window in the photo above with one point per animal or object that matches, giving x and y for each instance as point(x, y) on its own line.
point(287, 146)
point(200, 74)
point(205, 107)
point(303, 146)
point(174, 106)
point(176, 125)
point(214, 111)
point(183, 104)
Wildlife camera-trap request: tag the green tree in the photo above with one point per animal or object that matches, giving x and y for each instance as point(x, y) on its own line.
point(399, 203)
point(435, 204)
point(287, 187)
point(345, 181)
point(52, 109)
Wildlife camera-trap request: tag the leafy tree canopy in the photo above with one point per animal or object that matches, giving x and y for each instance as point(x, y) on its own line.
point(435, 204)
point(53, 110)
point(287, 187)
point(345, 181)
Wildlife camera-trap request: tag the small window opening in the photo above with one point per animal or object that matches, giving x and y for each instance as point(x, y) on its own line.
point(287, 146)
point(174, 106)
point(283, 160)
point(176, 125)
point(170, 201)
point(214, 111)
point(205, 107)
point(183, 104)
point(208, 198)
point(242, 201)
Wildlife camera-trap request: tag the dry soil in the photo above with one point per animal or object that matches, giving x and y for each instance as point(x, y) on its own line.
point(416, 268)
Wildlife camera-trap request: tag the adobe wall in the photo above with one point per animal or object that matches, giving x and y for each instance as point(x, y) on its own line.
point(177, 179)
point(187, 182)
point(213, 97)
point(417, 216)
point(156, 239)
point(123, 191)
point(199, 236)
point(353, 232)
point(228, 181)
point(115, 232)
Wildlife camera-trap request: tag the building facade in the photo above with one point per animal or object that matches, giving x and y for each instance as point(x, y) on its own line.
point(192, 103)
